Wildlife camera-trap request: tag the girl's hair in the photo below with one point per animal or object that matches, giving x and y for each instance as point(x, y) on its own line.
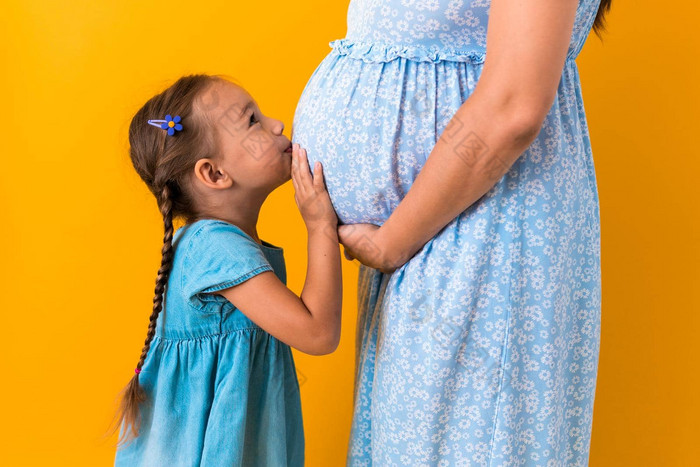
point(599, 22)
point(165, 163)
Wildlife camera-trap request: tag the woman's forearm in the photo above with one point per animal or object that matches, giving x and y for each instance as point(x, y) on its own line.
point(478, 146)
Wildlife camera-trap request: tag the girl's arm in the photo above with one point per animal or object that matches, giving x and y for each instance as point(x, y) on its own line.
point(310, 323)
point(527, 47)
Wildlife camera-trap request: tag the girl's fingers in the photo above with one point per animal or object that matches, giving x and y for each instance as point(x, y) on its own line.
point(318, 175)
point(304, 174)
point(296, 181)
point(293, 171)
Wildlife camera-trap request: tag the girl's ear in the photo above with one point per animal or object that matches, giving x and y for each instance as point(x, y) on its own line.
point(212, 175)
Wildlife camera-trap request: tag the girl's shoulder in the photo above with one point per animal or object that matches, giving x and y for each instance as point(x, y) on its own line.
point(213, 255)
point(207, 233)
point(207, 237)
point(208, 242)
point(213, 231)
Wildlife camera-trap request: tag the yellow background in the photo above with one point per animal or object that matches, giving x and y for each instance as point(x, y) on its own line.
point(81, 235)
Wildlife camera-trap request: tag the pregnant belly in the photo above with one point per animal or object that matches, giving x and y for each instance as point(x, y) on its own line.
point(372, 126)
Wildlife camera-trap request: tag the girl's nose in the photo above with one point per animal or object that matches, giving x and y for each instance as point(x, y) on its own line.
point(276, 126)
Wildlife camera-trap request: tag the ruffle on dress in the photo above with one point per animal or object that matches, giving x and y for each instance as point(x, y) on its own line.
point(373, 52)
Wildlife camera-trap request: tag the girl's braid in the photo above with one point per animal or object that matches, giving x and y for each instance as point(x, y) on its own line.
point(164, 164)
point(166, 209)
point(134, 394)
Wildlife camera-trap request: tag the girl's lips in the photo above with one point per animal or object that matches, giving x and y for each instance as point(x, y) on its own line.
point(289, 149)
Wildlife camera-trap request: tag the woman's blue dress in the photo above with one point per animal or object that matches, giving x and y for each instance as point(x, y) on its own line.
point(482, 350)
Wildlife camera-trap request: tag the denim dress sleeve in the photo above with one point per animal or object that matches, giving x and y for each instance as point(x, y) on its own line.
point(219, 255)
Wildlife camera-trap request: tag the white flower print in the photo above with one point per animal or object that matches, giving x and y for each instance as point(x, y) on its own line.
point(481, 350)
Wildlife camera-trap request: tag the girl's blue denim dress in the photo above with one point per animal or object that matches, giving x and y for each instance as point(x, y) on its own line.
point(222, 391)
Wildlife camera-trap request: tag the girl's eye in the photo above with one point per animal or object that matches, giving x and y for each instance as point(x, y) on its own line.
point(253, 121)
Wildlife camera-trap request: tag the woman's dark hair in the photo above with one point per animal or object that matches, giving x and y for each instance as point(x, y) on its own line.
point(165, 164)
point(599, 22)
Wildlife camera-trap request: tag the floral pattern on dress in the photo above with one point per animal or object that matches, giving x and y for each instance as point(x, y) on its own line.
point(482, 350)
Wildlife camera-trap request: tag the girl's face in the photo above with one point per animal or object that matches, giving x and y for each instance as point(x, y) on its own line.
point(252, 145)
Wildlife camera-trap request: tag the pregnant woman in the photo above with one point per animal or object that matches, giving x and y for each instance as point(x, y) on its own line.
point(466, 184)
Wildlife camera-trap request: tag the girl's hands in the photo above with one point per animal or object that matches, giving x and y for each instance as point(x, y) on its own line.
point(360, 241)
point(310, 194)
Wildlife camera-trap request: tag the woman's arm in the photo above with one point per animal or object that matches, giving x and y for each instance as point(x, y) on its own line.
point(526, 52)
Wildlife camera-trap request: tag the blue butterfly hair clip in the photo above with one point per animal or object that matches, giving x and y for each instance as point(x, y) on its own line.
point(171, 124)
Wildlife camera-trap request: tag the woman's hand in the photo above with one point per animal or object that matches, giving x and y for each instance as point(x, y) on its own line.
point(364, 243)
point(310, 193)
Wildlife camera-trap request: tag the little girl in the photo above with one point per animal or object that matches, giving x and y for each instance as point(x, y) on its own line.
point(216, 383)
